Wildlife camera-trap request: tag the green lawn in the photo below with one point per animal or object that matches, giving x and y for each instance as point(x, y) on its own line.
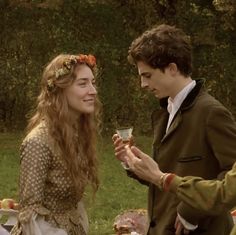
point(117, 192)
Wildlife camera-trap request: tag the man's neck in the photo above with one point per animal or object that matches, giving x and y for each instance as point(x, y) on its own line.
point(181, 82)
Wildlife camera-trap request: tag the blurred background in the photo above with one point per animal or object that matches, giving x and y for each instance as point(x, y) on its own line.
point(34, 31)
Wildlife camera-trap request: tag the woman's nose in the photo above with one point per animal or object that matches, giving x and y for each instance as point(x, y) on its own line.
point(93, 89)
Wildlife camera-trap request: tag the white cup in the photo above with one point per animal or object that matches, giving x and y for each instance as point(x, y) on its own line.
point(125, 133)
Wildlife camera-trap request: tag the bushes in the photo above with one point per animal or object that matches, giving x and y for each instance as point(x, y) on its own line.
point(33, 32)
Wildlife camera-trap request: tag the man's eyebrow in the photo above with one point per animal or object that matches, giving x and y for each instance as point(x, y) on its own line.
point(144, 73)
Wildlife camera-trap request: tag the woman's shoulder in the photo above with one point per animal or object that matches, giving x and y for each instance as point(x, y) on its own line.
point(38, 135)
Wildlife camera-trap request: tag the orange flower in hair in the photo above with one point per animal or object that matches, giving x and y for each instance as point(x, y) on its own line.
point(67, 66)
point(90, 60)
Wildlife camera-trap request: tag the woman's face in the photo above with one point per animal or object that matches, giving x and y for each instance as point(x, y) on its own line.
point(82, 93)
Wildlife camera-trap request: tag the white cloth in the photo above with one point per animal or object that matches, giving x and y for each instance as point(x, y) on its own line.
point(3, 231)
point(38, 226)
point(174, 104)
point(186, 224)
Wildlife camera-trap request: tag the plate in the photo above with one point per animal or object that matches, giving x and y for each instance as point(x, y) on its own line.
point(8, 212)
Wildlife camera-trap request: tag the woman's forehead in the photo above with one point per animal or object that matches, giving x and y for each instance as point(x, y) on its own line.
point(84, 72)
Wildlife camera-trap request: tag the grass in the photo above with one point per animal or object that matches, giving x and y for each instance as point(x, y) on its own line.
point(117, 192)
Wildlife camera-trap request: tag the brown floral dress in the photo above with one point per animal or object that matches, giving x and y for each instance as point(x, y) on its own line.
point(45, 185)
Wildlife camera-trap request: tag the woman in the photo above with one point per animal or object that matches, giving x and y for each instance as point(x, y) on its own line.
point(58, 157)
point(211, 197)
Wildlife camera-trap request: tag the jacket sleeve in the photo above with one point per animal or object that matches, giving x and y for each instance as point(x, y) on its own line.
point(35, 162)
point(221, 137)
point(210, 197)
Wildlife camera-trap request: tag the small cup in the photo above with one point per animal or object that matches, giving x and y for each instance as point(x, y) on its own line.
point(125, 133)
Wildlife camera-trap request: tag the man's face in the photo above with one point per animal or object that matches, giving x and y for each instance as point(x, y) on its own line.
point(161, 84)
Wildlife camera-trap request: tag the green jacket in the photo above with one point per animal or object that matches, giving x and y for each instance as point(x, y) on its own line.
point(200, 142)
point(211, 196)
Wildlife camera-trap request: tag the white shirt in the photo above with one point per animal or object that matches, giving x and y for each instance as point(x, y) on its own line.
point(174, 104)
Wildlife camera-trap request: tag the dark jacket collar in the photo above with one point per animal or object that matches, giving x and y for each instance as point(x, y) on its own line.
point(190, 99)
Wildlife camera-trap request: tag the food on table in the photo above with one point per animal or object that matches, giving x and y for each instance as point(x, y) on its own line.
point(131, 221)
point(9, 203)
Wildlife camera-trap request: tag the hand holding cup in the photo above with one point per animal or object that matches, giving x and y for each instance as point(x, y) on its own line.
point(122, 138)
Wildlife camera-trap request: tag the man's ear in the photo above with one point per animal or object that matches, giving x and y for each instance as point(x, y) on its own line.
point(173, 69)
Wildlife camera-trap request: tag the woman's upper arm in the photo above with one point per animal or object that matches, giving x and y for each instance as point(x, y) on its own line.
point(35, 162)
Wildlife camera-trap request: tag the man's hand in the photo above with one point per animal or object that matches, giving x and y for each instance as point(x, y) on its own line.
point(119, 147)
point(179, 228)
point(142, 165)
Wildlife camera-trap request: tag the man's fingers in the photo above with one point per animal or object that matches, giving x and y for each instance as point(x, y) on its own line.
point(178, 229)
point(119, 152)
point(129, 154)
point(130, 158)
point(138, 153)
point(119, 147)
point(114, 137)
point(177, 222)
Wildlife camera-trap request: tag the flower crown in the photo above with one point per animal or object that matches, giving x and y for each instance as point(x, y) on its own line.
point(67, 65)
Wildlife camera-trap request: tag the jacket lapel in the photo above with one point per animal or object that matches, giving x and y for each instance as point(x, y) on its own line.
point(159, 123)
point(160, 117)
point(174, 125)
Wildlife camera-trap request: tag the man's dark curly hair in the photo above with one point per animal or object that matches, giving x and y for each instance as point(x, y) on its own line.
point(162, 45)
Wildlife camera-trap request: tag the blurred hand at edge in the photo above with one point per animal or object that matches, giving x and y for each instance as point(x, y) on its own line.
point(179, 228)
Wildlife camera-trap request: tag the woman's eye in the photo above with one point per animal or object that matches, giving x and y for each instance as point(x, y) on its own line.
point(82, 84)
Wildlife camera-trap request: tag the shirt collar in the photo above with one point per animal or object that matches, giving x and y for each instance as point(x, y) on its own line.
point(174, 104)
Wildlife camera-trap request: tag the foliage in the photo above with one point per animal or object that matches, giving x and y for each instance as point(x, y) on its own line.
point(33, 32)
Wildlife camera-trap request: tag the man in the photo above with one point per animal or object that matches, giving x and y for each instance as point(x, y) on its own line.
point(211, 196)
point(194, 134)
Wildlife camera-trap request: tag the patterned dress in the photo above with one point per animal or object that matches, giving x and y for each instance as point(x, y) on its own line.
point(46, 187)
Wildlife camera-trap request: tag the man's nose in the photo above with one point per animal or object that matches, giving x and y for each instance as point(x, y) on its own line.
point(144, 83)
